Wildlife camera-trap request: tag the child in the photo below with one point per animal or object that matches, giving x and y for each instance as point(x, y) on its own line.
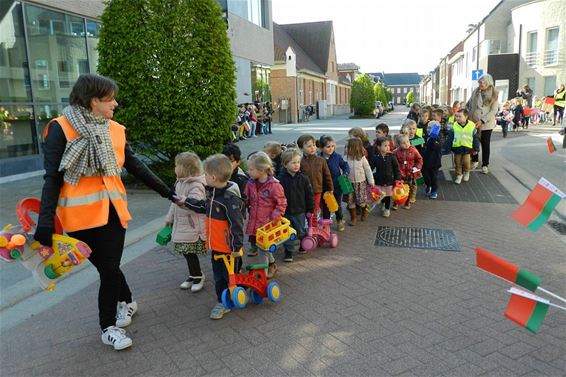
point(424, 117)
point(265, 199)
point(411, 127)
point(337, 167)
point(316, 170)
point(526, 114)
point(360, 176)
point(273, 150)
point(432, 158)
point(300, 198)
point(224, 221)
point(188, 233)
point(410, 163)
point(463, 139)
point(239, 177)
point(382, 130)
point(363, 136)
point(517, 113)
point(386, 172)
point(505, 118)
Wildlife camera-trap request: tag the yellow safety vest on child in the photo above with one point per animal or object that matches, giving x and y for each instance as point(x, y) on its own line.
point(464, 136)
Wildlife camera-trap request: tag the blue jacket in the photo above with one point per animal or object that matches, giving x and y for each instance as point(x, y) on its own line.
point(337, 166)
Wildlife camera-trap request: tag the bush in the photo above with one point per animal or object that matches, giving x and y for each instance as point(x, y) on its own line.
point(410, 98)
point(173, 64)
point(362, 100)
point(380, 94)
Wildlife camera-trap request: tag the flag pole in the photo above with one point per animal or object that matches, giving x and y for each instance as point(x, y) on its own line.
point(551, 294)
point(557, 306)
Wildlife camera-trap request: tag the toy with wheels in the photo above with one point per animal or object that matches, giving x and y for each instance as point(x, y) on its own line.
point(47, 264)
point(400, 193)
point(319, 234)
point(374, 196)
point(236, 295)
point(275, 233)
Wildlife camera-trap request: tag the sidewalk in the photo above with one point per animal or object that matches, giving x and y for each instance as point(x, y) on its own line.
point(356, 310)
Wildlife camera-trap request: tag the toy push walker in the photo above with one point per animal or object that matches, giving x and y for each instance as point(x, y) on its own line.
point(47, 264)
point(235, 295)
point(318, 235)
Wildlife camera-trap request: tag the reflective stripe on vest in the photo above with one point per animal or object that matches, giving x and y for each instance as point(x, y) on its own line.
point(560, 98)
point(87, 204)
point(464, 136)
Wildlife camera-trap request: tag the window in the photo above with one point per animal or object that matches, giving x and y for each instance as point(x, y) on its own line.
point(404, 90)
point(63, 66)
point(551, 52)
point(252, 10)
point(531, 55)
point(549, 85)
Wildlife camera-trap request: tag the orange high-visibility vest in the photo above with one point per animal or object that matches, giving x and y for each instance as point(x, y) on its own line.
point(87, 204)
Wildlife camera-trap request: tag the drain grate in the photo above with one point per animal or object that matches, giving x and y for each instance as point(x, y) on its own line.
point(417, 238)
point(558, 226)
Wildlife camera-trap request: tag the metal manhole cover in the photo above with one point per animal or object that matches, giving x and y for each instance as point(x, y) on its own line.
point(417, 238)
point(558, 226)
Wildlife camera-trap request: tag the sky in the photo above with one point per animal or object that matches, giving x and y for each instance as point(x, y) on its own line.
point(389, 35)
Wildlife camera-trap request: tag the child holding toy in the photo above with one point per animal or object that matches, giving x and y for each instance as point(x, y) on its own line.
point(224, 221)
point(337, 166)
point(360, 176)
point(414, 139)
point(300, 198)
point(265, 199)
point(188, 233)
point(432, 158)
point(316, 170)
point(410, 165)
point(386, 172)
point(464, 141)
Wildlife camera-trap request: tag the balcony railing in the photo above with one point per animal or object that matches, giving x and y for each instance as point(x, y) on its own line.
point(551, 57)
point(531, 59)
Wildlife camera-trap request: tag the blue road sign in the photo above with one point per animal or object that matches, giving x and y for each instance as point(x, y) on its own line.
point(476, 74)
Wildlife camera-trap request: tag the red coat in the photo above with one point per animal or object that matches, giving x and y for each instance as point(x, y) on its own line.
point(264, 204)
point(408, 159)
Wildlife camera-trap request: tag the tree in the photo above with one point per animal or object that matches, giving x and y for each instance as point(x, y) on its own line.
point(388, 95)
point(362, 100)
point(173, 64)
point(410, 98)
point(380, 93)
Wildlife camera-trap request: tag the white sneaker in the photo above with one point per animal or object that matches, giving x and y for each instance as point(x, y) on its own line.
point(187, 283)
point(458, 179)
point(116, 337)
point(484, 169)
point(475, 165)
point(386, 213)
point(466, 177)
point(125, 312)
point(218, 311)
point(197, 286)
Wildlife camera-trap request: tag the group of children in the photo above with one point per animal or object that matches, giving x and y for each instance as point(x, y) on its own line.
point(216, 196)
point(253, 119)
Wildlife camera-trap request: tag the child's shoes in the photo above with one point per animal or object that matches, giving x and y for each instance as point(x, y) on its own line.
point(434, 195)
point(198, 283)
point(218, 311)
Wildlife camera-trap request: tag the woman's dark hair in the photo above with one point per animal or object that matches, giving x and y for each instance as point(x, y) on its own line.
point(90, 86)
point(324, 140)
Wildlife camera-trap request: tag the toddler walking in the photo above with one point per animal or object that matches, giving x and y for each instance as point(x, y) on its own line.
point(464, 141)
point(360, 176)
point(188, 233)
point(410, 165)
point(386, 172)
point(265, 199)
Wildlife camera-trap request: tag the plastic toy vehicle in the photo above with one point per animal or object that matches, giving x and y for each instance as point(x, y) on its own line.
point(164, 235)
point(345, 184)
point(47, 264)
point(236, 295)
point(319, 235)
point(275, 233)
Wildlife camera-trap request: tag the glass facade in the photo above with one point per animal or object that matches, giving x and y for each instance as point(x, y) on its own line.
point(255, 11)
point(261, 83)
point(42, 53)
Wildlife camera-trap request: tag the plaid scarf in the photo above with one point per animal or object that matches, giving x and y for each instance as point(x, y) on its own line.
point(91, 153)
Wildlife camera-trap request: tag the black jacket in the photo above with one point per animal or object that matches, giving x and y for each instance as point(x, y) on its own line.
point(53, 149)
point(298, 191)
point(432, 154)
point(386, 169)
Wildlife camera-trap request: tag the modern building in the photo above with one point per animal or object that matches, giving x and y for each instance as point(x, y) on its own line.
point(305, 72)
point(44, 46)
point(399, 83)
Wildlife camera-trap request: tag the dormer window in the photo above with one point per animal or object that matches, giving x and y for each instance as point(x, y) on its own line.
point(289, 57)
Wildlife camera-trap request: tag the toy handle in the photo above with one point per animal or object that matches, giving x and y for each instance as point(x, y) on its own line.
point(23, 209)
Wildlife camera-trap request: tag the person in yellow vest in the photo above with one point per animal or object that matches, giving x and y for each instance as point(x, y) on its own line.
point(559, 95)
point(84, 153)
point(463, 140)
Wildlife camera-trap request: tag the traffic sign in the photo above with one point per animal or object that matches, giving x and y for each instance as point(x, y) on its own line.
point(476, 74)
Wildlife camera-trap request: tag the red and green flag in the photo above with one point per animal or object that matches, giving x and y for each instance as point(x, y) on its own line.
point(550, 144)
point(506, 270)
point(538, 206)
point(526, 310)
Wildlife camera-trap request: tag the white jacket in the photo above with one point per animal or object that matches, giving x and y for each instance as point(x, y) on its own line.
point(188, 226)
point(360, 171)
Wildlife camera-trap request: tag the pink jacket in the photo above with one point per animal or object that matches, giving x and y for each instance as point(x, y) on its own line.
point(408, 158)
point(188, 226)
point(264, 204)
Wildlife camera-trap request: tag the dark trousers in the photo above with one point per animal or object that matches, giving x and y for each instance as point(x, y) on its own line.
point(107, 245)
point(430, 176)
point(485, 139)
point(297, 223)
point(269, 125)
point(193, 264)
point(386, 202)
point(558, 114)
point(326, 212)
point(220, 273)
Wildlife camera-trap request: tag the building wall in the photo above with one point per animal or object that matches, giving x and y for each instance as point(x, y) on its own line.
point(250, 41)
point(283, 87)
point(539, 16)
point(399, 92)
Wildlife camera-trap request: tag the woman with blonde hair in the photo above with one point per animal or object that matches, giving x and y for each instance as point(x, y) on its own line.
point(483, 106)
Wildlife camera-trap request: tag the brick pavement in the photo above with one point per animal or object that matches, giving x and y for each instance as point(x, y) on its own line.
point(355, 310)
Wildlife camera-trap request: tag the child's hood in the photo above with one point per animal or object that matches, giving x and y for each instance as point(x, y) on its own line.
point(195, 179)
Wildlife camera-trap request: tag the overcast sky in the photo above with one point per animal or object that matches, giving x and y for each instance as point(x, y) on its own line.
point(389, 35)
